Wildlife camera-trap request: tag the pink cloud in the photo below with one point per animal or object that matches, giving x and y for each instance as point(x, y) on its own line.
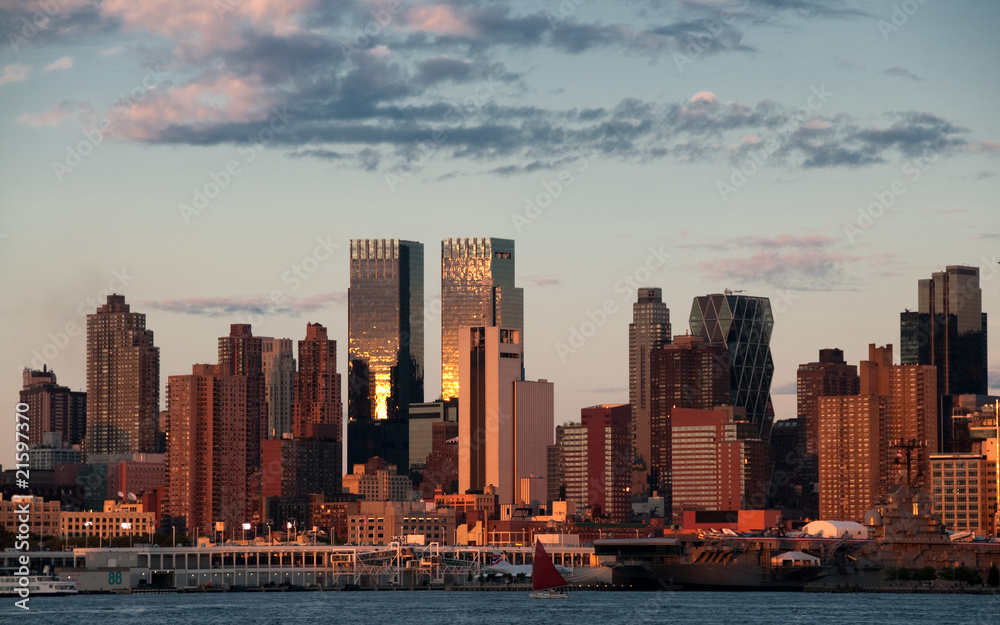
point(542, 281)
point(62, 111)
point(704, 96)
point(983, 146)
point(15, 72)
point(771, 266)
point(440, 20)
point(64, 63)
point(774, 242)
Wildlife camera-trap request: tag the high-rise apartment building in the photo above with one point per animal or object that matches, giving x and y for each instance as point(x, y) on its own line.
point(241, 355)
point(385, 328)
point(852, 455)
point(53, 408)
point(609, 460)
point(742, 323)
point(477, 289)
point(123, 381)
point(828, 377)
point(207, 449)
point(317, 384)
point(690, 373)
point(278, 367)
point(504, 422)
point(718, 461)
point(865, 440)
point(567, 475)
point(649, 330)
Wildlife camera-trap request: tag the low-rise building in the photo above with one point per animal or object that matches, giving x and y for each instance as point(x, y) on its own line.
point(117, 519)
point(42, 516)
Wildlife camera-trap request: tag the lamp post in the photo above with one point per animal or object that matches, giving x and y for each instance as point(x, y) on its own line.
point(128, 526)
point(173, 532)
point(246, 526)
point(86, 533)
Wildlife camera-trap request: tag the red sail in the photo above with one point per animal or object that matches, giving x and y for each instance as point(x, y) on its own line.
point(543, 573)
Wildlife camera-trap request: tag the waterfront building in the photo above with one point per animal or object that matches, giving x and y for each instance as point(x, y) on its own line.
point(649, 330)
point(123, 381)
point(477, 289)
point(43, 516)
point(53, 408)
point(718, 461)
point(116, 519)
point(383, 522)
point(207, 449)
point(961, 488)
point(609, 455)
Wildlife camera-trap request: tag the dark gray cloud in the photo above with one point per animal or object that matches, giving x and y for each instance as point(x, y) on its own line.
point(900, 72)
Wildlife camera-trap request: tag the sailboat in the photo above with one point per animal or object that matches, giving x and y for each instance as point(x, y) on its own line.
point(546, 581)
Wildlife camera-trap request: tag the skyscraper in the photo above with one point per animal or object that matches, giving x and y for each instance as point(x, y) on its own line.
point(860, 436)
point(690, 373)
point(829, 377)
point(609, 460)
point(477, 289)
point(240, 355)
point(206, 449)
point(53, 408)
point(649, 330)
point(278, 366)
point(948, 330)
point(385, 328)
point(123, 381)
point(504, 422)
point(743, 323)
point(317, 385)
point(567, 473)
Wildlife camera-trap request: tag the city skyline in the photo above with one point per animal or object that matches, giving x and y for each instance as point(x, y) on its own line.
point(819, 154)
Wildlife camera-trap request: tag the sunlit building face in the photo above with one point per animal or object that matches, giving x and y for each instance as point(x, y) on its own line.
point(385, 328)
point(477, 289)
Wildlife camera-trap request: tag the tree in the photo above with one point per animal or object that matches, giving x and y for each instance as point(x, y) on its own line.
point(993, 577)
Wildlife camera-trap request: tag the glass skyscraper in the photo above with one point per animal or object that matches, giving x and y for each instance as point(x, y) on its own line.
point(385, 328)
point(948, 330)
point(477, 289)
point(743, 323)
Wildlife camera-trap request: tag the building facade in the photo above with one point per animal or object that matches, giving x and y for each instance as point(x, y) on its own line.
point(718, 462)
point(690, 373)
point(609, 455)
point(116, 519)
point(649, 330)
point(317, 384)
point(477, 289)
point(278, 367)
point(385, 328)
point(206, 449)
point(123, 381)
point(53, 408)
point(829, 377)
point(743, 324)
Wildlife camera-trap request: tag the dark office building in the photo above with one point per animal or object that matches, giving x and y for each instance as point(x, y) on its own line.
point(53, 408)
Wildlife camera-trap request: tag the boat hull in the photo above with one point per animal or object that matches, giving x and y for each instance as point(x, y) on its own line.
point(548, 594)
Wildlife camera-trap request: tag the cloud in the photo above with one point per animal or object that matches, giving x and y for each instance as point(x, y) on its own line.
point(994, 381)
point(66, 110)
point(422, 84)
point(15, 72)
point(778, 241)
point(788, 388)
point(65, 62)
point(990, 147)
point(983, 175)
point(257, 305)
point(900, 72)
point(541, 280)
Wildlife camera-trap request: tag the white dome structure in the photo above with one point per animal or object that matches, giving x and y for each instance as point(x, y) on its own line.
point(836, 529)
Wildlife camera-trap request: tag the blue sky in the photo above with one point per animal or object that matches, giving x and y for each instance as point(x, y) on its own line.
point(824, 154)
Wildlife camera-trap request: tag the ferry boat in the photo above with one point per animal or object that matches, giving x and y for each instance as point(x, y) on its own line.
point(38, 585)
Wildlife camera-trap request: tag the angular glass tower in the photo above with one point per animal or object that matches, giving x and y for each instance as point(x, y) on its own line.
point(477, 289)
point(385, 328)
point(743, 323)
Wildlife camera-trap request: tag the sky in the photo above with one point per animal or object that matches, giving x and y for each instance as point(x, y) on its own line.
point(211, 161)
